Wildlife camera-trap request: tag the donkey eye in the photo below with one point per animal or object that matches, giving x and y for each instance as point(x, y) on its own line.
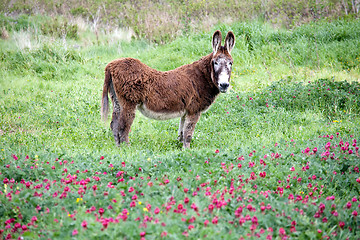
point(216, 63)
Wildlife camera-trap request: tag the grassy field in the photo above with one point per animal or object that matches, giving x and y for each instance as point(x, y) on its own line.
point(276, 157)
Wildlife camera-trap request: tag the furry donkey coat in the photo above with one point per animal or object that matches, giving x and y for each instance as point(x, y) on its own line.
point(184, 92)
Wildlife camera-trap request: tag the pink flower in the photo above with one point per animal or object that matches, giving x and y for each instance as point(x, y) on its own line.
point(217, 151)
point(101, 211)
point(84, 224)
point(206, 222)
point(354, 213)
point(282, 231)
point(142, 234)
point(157, 210)
point(75, 232)
point(341, 224)
point(215, 220)
point(262, 174)
point(191, 227)
point(164, 234)
point(186, 190)
point(102, 157)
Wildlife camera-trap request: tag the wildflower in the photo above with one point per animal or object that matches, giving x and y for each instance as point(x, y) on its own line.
point(215, 220)
point(354, 213)
point(157, 210)
point(341, 224)
point(282, 231)
point(142, 234)
point(75, 232)
point(206, 222)
point(101, 211)
point(84, 224)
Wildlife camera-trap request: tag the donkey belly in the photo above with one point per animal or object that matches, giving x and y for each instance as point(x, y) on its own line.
point(159, 115)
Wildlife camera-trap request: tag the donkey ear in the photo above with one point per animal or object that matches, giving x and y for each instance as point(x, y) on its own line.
point(216, 41)
point(229, 41)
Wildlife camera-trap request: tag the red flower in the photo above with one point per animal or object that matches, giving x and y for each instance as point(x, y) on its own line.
point(215, 220)
point(142, 234)
point(101, 211)
point(102, 157)
point(157, 210)
point(341, 224)
point(282, 231)
point(84, 224)
point(206, 222)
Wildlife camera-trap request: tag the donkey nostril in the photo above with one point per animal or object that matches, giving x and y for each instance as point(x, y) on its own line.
point(224, 85)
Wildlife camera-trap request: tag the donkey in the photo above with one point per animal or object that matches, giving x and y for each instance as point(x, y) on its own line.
point(184, 92)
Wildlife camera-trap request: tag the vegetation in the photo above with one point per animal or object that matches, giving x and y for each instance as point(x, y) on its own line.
point(161, 21)
point(276, 157)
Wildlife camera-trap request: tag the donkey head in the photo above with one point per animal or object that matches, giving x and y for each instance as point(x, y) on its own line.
point(222, 61)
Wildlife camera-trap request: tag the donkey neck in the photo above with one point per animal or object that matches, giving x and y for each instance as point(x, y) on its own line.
point(204, 77)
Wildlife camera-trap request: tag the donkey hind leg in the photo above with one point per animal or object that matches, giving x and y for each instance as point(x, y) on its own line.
point(115, 123)
point(181, 129)
point(189, 127)
point(126, 118)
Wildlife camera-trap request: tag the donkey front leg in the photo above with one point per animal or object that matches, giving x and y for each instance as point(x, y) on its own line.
point(189, 126)
point(181, 129)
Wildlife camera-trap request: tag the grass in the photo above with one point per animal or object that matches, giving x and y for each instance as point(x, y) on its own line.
point(292, 92)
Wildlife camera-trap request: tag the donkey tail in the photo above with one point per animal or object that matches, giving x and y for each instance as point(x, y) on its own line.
point(105, 98)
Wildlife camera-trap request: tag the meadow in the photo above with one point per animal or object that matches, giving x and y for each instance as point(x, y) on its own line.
point(275, 158)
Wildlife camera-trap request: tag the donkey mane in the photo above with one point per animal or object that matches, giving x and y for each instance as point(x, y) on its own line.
point(183, 92)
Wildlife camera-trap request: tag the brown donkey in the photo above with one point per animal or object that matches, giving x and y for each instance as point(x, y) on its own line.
point(184, 92)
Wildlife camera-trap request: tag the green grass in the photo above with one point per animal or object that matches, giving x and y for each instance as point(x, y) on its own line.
point(50, 109)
